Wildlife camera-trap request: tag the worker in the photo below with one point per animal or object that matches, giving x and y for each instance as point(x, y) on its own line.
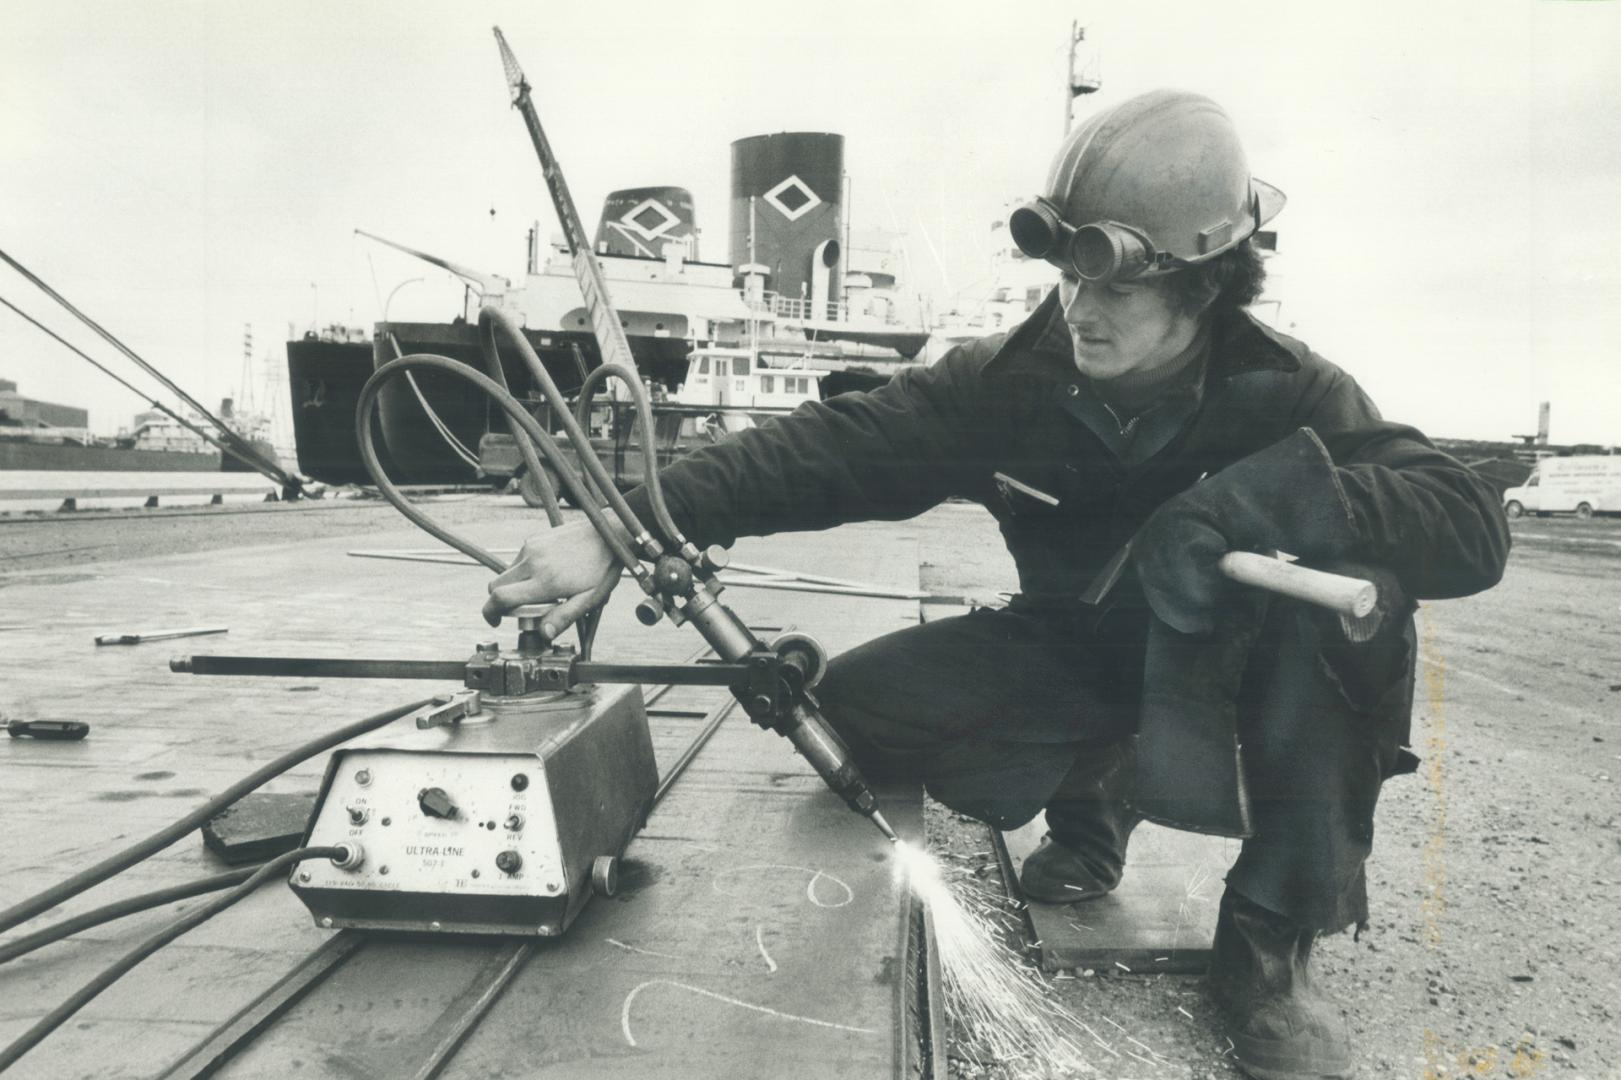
point(1139, 402)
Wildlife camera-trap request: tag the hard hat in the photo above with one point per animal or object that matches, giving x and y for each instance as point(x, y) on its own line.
point(1154, 184)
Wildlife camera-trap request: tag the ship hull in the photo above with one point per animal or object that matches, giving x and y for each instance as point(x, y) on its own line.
point(327, 377)
point(70, 457)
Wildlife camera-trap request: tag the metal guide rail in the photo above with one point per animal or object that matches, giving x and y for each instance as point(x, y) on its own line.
point(489, 966)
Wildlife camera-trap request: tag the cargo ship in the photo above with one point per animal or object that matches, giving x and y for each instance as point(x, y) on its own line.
point(800, 287)
point(45, 436)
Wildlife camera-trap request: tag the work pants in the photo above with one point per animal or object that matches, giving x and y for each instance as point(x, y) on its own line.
point(991, 711)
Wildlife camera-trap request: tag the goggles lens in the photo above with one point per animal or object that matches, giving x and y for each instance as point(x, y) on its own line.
point(1100, 251)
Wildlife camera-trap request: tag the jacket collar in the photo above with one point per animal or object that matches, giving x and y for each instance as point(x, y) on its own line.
point(1239, 343)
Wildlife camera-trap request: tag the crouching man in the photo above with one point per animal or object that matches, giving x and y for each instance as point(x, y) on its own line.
point(1139, 405)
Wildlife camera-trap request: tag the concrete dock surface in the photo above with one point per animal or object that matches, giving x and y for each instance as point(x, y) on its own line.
point(1494, 948)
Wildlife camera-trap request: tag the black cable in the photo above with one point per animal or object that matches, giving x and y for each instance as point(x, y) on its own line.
point(123, 860)
point(120, 908)
point(86, 993)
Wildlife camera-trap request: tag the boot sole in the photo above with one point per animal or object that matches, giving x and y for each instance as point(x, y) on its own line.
point(1062, 894)
point(1268, 1060)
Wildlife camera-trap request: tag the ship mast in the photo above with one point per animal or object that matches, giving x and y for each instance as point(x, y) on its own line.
point(1086, 80)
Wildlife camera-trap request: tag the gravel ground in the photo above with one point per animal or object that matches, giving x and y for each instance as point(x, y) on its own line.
point(1494, 949)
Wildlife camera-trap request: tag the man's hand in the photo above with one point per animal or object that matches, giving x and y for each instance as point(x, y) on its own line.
point(570, 566)
point(1284, 497)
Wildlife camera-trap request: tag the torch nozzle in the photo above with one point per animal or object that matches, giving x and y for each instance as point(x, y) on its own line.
point(883, 826)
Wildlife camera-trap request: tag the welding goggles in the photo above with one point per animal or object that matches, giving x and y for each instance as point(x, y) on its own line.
point(1098, 251)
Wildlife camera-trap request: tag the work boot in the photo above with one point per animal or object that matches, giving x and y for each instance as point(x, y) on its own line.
point(1089, 823)
point(1281, 1026)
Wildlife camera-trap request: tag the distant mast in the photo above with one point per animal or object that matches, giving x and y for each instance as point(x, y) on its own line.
point(1084, 73)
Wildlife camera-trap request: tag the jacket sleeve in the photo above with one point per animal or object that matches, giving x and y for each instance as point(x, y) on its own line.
point(1432, 521)
point(887, 454)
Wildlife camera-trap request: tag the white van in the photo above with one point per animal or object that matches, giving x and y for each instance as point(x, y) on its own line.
point(1585, 486)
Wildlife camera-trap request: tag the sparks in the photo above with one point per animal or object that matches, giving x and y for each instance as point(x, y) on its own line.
point(1000, 1009)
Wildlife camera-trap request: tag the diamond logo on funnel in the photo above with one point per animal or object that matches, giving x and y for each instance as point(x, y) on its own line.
point(793, 198)
point(650, 219)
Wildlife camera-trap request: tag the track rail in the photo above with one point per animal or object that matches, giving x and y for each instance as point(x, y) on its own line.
point(505, 959)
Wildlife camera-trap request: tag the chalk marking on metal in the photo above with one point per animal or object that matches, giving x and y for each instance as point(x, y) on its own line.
point(630, 999)
point(810, 889)
point(616, 943)
point(759, 939)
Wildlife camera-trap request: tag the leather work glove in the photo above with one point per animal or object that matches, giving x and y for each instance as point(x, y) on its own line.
point(1285, 497)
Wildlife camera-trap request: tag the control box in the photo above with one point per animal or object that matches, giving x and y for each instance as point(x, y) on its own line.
point(492, 825)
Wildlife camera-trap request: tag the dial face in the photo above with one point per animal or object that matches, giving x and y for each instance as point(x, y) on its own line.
point(478, 824)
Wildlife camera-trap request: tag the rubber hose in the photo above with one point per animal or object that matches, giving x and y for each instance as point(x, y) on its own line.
point(88, 992)
point(130, 905)
point(515, 410)
point(571, 427)
point(648, 436)
point(526, 448)
point(123, 860)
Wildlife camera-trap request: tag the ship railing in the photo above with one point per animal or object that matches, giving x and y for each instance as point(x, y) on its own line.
point(796, 307)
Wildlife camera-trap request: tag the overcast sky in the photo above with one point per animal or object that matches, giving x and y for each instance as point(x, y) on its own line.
point(181, 169)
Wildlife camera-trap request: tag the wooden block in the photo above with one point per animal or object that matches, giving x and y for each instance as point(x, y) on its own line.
point(259, 826)
point(1159, 919)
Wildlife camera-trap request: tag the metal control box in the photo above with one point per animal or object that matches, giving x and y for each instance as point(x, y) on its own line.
point(487, 826)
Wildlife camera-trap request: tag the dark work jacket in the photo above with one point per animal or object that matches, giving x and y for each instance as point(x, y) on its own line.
point(998, 405)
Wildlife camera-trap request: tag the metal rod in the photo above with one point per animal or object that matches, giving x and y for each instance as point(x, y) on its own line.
point(589, 671)
point(229, 1038)
point(458, 1020)
point(320, 667)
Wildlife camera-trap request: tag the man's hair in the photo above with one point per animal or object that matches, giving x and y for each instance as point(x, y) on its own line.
point(1231, 280)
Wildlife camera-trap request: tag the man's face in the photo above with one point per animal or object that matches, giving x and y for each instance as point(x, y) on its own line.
point(1123, 328)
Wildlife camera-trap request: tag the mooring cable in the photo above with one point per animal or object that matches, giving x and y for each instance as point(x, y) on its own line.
point(123, 860)
point(191, 919)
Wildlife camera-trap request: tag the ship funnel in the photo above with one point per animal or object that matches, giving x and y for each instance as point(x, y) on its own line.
point(795, 181)
point(646, 221)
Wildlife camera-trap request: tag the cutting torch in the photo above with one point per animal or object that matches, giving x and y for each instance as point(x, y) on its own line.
point(679, 582)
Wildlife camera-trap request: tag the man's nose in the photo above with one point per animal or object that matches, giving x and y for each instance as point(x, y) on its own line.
point(1080, 307)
